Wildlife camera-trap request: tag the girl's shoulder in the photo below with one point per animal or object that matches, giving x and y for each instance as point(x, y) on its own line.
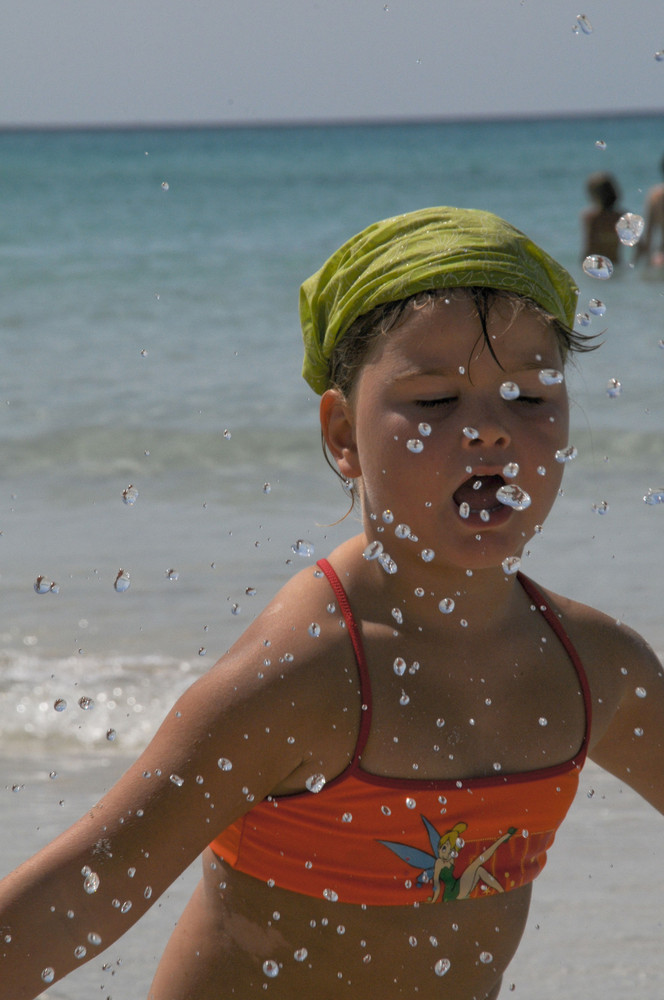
point(617, 660)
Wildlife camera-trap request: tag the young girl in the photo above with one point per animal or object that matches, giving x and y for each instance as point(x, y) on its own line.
point(376, 770)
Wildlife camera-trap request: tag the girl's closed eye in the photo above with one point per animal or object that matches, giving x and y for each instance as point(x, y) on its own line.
point(440, 401)
point(532, 400)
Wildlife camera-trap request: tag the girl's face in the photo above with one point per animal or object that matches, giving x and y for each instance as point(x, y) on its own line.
point(436, 430)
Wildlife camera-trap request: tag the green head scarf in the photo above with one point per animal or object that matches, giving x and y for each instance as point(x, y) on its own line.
point(422, 251)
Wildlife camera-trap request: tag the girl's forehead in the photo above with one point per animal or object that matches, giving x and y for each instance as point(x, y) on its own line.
point(449, 332)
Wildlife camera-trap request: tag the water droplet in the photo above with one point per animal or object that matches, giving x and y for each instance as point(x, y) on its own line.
point(509, 390)
point(122, 581)
point(601, 507)
point(300, 955)
point(640, 692)
point(542, 721)
point(613, 388)
point(410, 803)
point(471, 433)
point(486, 957)
point(130, 495)
point(428, 555)
point(386, 811)
point(566, 454)
point(464, 510)
point(91, 883)
point(511, 470)
point(165, 185)
point(511, 564)
point(126, 906)
point(314, 630)
point(404, 699)
point(424, 429)
point(513, 496)
point(373, 550)
point(399, 666)
point(659, 56)
point(347, 818)
point(315, 783)
point(587, 28)
point(388, 563)
point(551, 376)
point(442, 966)
point(629, 228)
point(415, 445)
point(600, 144)
point(638, 731)
point(654, 495)
point(270, 968)
point(147, 892)
point(596, 266)
point(583, 319)
point(177, 780)
point(110, 735)
point(446, 605)
point(341, 929)
point(402, 531)
point(48, 974)
point(87, 704)
point(412, 941)
point(80, 952)
point(43, 585)
point(59, 704)
point(330, 895)
point(388, 516)
point(303, 548)
point(596, 307)
point(397, 615)
point(224, 764)
point(94, 938)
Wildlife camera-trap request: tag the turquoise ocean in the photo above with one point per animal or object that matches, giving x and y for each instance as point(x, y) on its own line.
point(150, 339)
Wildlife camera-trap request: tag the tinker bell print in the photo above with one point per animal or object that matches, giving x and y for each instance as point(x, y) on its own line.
point(438, 867)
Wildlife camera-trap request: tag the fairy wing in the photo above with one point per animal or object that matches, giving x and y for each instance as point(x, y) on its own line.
point(412, 855)
point(434, 836)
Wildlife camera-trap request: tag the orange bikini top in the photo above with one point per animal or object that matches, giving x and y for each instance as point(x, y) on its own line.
point(374, 840)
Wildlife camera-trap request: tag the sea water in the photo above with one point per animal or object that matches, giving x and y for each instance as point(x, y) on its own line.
point(162, 471)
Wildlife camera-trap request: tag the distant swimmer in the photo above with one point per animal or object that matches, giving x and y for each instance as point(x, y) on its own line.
point(598, 223)
point(652, 244)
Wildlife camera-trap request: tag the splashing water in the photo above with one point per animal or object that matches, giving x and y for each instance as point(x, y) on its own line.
point(596, 266)
point(654, 496)
point(270, 968)
point(513, 496)
point(550, 376)
point(373, 550)
point(629, 228)
point(302, 548)
point(566, 454)
point(130, 495)
point(509, 390)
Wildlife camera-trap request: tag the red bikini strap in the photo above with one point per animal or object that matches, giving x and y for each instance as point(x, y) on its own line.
point(360, 658)
point(554, 622)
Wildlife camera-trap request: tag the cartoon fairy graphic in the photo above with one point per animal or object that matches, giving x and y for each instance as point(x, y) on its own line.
point(437, 867)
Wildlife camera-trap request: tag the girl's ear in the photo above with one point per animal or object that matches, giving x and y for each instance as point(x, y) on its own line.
point(338, 427)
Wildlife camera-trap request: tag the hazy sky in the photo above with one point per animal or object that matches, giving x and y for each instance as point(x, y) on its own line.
point(178, 61)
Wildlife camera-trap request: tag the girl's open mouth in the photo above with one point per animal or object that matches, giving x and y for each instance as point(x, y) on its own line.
point(476, 499)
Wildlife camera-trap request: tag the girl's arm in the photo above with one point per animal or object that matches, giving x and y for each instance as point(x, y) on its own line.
point(632, 744)
point(255, 724)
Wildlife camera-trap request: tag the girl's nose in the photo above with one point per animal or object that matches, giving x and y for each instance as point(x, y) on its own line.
point(488, 430)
